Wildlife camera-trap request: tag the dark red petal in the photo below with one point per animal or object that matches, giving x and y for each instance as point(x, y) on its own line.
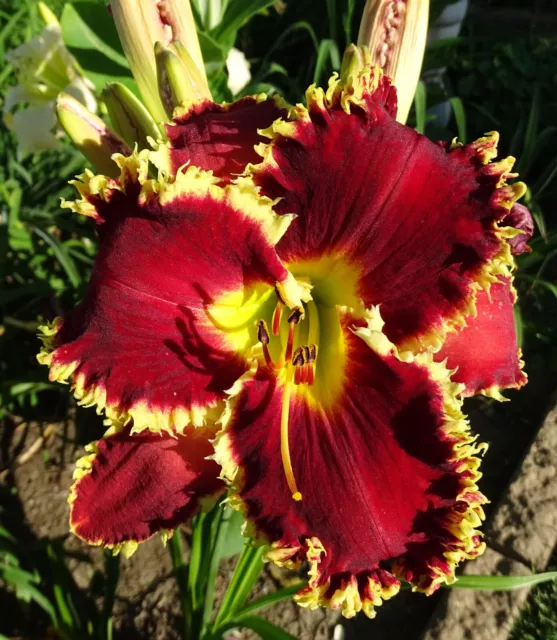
point(142, 343)
point(130, 487)
point(386, 469)
point(520, 218)
point(485, 352)
point(220, 137)
point(418, 221)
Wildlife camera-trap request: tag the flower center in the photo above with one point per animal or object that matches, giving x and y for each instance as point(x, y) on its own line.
point(300, 369)
point(305, 348)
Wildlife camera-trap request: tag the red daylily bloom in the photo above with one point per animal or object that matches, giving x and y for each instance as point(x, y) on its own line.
point(308, 344)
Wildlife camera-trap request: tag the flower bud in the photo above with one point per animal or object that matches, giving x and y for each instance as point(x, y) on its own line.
point(175, 86)
point(128, 115)
point(142, 23)
point(90, 135)
point(395, 32)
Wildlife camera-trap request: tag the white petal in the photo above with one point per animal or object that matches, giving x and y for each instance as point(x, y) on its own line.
point(80, 91)
point(34, 129)
point(238, 70)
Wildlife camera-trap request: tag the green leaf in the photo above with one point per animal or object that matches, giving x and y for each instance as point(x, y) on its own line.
point(237, 13)
point(234, 542)
point(267, 630)
point(268, 600)
point(530, 136)
point(420, 101)
point(460, 118)
point(62, 256)
point(327, 50)
point(502, 583)
point(246, 572)
point(90, 34)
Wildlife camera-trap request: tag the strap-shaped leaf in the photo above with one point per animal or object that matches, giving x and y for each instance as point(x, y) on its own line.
point(502, 583)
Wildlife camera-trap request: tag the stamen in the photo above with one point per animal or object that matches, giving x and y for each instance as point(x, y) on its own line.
point(293, 320)
point(277, 315)
point(264, 338)
point(284, 445)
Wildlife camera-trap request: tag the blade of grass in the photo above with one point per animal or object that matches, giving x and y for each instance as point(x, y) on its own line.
point(530, 135)
point(332, 16)
point(327, 50)
point(460, 117)
point(62, 256)
point(347, 21)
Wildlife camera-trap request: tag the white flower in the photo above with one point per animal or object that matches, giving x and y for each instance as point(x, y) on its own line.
point(238, 70)
point(44, 68)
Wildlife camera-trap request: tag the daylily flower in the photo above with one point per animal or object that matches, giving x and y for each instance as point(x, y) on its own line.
point(303, 348)
point(44, 68)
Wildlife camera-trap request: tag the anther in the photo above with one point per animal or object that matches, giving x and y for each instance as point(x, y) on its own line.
point(295, 315)
point(263, 332)
point(264, 338)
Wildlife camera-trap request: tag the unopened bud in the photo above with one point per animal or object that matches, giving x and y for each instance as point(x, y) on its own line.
point(129, 116)
point(395, 32)
point(175, 87)
point(90, 135)
point(142, 23)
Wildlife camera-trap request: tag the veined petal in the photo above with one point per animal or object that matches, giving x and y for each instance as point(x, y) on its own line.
point(418, 221)
point(387, 473)
point(142, 344)
point(485, 353)
point(218, 137)
point(521, 219)
point(127, 488)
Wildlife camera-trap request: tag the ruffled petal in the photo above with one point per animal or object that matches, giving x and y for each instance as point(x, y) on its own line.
point(416, 220)
point(143, 344)
point(485, 353)
point(127, 488)
point(520, 218)
point(218, 137)
point(387, 473)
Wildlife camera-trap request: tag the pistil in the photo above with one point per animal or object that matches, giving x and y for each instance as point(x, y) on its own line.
point(284, 444)
point(300, 366)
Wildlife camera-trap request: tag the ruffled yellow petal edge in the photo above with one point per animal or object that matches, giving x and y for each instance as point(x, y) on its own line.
point(349, 91)
point(95, 190)
point(382, 585)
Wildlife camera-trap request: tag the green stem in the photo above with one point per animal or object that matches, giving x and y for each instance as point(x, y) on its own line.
point(181, 575)
point(245, 574)
point(220, 531)
point(112, 575)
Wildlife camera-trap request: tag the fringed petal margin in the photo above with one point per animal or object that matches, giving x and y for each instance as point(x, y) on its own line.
point(218, 137)
point(127, 488)
point(485, 354)
point(142, 344)
point(421, 223)
point(388, 474)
